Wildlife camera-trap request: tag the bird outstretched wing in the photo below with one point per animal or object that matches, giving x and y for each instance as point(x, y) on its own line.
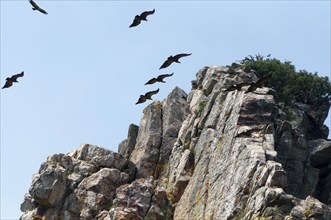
point(178, 56)
point(42, 11)
point(237, 87)
point(34, 4)
point(14, 77)
point(148, 95)
point(144, 15)
point(161, 77)
point(258, 84)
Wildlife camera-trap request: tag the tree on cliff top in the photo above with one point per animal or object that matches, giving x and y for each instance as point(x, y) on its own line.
point(289, 84)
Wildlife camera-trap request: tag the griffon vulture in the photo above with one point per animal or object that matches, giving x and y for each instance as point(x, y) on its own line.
point(36, 7)
point(141, 17)
point(159, 78)
point(172, 59)
point(148, 95)
point(12, 79)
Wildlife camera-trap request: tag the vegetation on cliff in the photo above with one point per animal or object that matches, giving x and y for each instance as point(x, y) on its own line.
point(291, 85)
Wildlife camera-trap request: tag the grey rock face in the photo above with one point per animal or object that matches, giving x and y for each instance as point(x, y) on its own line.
point(227, 144)
point(95, 193)
point(320, 158)
point(141, 200)
point(216, 153)
point(158, 132)
point(291, 140)
point(225, 163)
point(147, 149)
point(49, 186)
point(127, 146)
point(310, 208)
point(77, 185)
point(174, 111)
point(321, 154)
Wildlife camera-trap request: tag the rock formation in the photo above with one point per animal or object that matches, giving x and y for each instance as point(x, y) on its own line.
point(210, 154)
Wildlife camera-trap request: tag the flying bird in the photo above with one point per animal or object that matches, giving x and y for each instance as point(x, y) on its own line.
point(36, 7)
point(252, 85)
point(148, 95)
point(172, 59)
point(142, 17)
point(159, 79)
point(12, 79)
point(258, 84)
point(238, 86)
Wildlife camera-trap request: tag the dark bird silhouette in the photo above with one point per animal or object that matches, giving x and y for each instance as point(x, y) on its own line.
point(252, 85)
point(36, 7)
point(159, 78)
point(12, 79)
point(148, 95)
point(237, 87)
point(142, 17)
point(172, 59)
point(258, 84)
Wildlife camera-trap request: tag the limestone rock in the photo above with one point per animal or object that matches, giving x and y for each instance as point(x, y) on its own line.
point(291, 138)
point(269, 203)
point(310, 208)
point(127, 146)
point(76, 185)
point(49, 186)
point(149, 140)
point(102, 157)
point(174, 111)
point(95, 193)
point(158, 132)
point(141, 200)
point(320, 158)
point(321, 152)
point(213, 153)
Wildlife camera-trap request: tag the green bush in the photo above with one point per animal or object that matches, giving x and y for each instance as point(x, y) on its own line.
point(290, 85)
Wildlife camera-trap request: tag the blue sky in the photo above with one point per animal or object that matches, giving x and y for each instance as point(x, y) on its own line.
point(85, 69)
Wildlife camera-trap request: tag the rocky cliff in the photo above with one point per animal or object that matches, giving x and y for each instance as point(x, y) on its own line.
point(215, 153)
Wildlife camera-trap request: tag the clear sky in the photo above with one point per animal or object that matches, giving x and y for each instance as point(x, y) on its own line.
point(85, 69)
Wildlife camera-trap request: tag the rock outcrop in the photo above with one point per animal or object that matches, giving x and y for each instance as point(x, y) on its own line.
point(126, 147)
point(77, 185)
point(215, 153)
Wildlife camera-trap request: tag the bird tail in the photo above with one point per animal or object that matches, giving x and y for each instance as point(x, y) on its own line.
point(34, 9)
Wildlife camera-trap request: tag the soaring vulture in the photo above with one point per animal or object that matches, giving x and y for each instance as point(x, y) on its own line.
point(159, 79)
point(36, 7)
point(258, 84)
point(12, 79)
point(252, 86)
point(238, 86)
point(172, 59)
point(148, 95)
point(141, 17)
